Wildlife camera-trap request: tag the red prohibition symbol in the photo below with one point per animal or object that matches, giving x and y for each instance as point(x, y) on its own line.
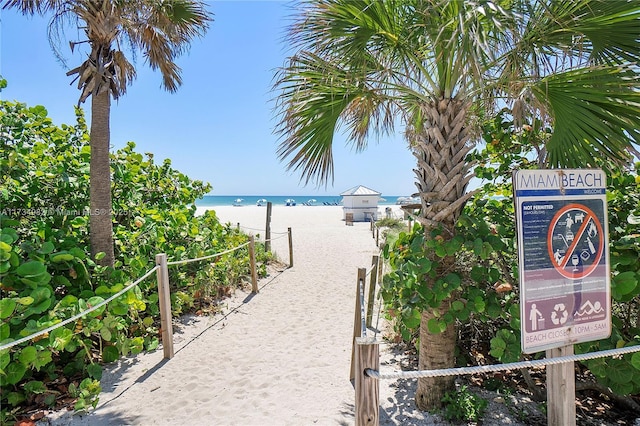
point(575, 241)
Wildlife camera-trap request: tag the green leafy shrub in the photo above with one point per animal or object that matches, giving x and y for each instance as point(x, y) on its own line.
point(47, 275)
point(391, 228)
point(622, 374)
point(392, 223)
point(462, 405)
point(484, 281)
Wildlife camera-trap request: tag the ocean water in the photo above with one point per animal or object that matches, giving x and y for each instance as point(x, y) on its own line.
point(300, 200)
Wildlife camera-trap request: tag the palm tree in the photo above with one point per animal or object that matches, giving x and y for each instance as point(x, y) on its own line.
point(160, 30)
point(436, 67)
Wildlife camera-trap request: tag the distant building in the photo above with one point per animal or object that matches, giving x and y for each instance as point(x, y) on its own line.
point(361, 202)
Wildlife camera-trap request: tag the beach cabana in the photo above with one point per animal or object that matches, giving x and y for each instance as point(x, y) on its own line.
point(360, 202)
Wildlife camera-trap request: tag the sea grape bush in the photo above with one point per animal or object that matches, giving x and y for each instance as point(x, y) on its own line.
point(47, 275)
point(483, 283)
point(462, 405)
point(623, 202)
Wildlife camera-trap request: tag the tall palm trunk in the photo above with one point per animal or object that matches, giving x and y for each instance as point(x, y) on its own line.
point(436, 351)
point(100, 222)
point(440, 146)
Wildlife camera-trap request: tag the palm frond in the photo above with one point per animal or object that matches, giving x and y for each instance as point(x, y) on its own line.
point(560, 35)
point(163, 31)
point(160, 30)
point(316, 97)
point(366, 63)
point(596, 113)
point(31, 7)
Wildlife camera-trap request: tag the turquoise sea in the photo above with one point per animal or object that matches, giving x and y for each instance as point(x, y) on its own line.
point(300, 200)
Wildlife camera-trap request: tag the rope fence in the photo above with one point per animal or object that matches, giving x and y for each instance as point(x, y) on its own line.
point(81, 314)
point(163, 293)
point(365, 360)
point(281, 234)
point(210, 256)
point(500, 367)
point(363, 319)
point(268, 239)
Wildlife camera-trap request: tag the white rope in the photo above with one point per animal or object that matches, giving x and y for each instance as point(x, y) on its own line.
point(363, 321)
point(246, 228)
point(378, 297)
point(262, 230)
point(499, 367)
point(377, 293)
point(281, 236)
point(121, 292)
point(81, 314)
point(182, 262)
point(250, 229)
point(370, 270)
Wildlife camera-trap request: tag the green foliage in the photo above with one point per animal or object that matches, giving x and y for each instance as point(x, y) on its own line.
point(391, 228)
point(475, 282)
point(484, 278)
point(47, 275)
point(391, 223)
point(462, 405)
point(86, 393)
point(623, 201)
point(623, 198)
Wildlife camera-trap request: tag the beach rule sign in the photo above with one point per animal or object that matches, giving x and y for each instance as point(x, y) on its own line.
point(565, 293)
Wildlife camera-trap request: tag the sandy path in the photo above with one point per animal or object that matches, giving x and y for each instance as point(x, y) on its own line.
point(281, 357)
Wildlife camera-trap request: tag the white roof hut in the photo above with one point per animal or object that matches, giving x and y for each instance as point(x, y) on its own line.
point(360, 202)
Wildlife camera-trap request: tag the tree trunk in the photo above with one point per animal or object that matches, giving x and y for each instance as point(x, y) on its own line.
point(440, 146)
point(436, 351)
point(100, 220)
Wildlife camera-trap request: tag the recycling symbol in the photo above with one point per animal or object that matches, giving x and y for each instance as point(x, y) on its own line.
point(559, 314)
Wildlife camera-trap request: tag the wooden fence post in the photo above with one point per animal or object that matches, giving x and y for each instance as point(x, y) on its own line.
point(267, 231)
point(357, 320)
point(561, 389)
point(367, 388)
point(377, 237)
point(252, 261)
point(372, 289)
point(164, 298)
point(290, 248)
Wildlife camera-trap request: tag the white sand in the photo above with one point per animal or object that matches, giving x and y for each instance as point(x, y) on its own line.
point(281, 357)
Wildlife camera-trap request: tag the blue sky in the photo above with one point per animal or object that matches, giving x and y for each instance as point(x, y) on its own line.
point(219, 126)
